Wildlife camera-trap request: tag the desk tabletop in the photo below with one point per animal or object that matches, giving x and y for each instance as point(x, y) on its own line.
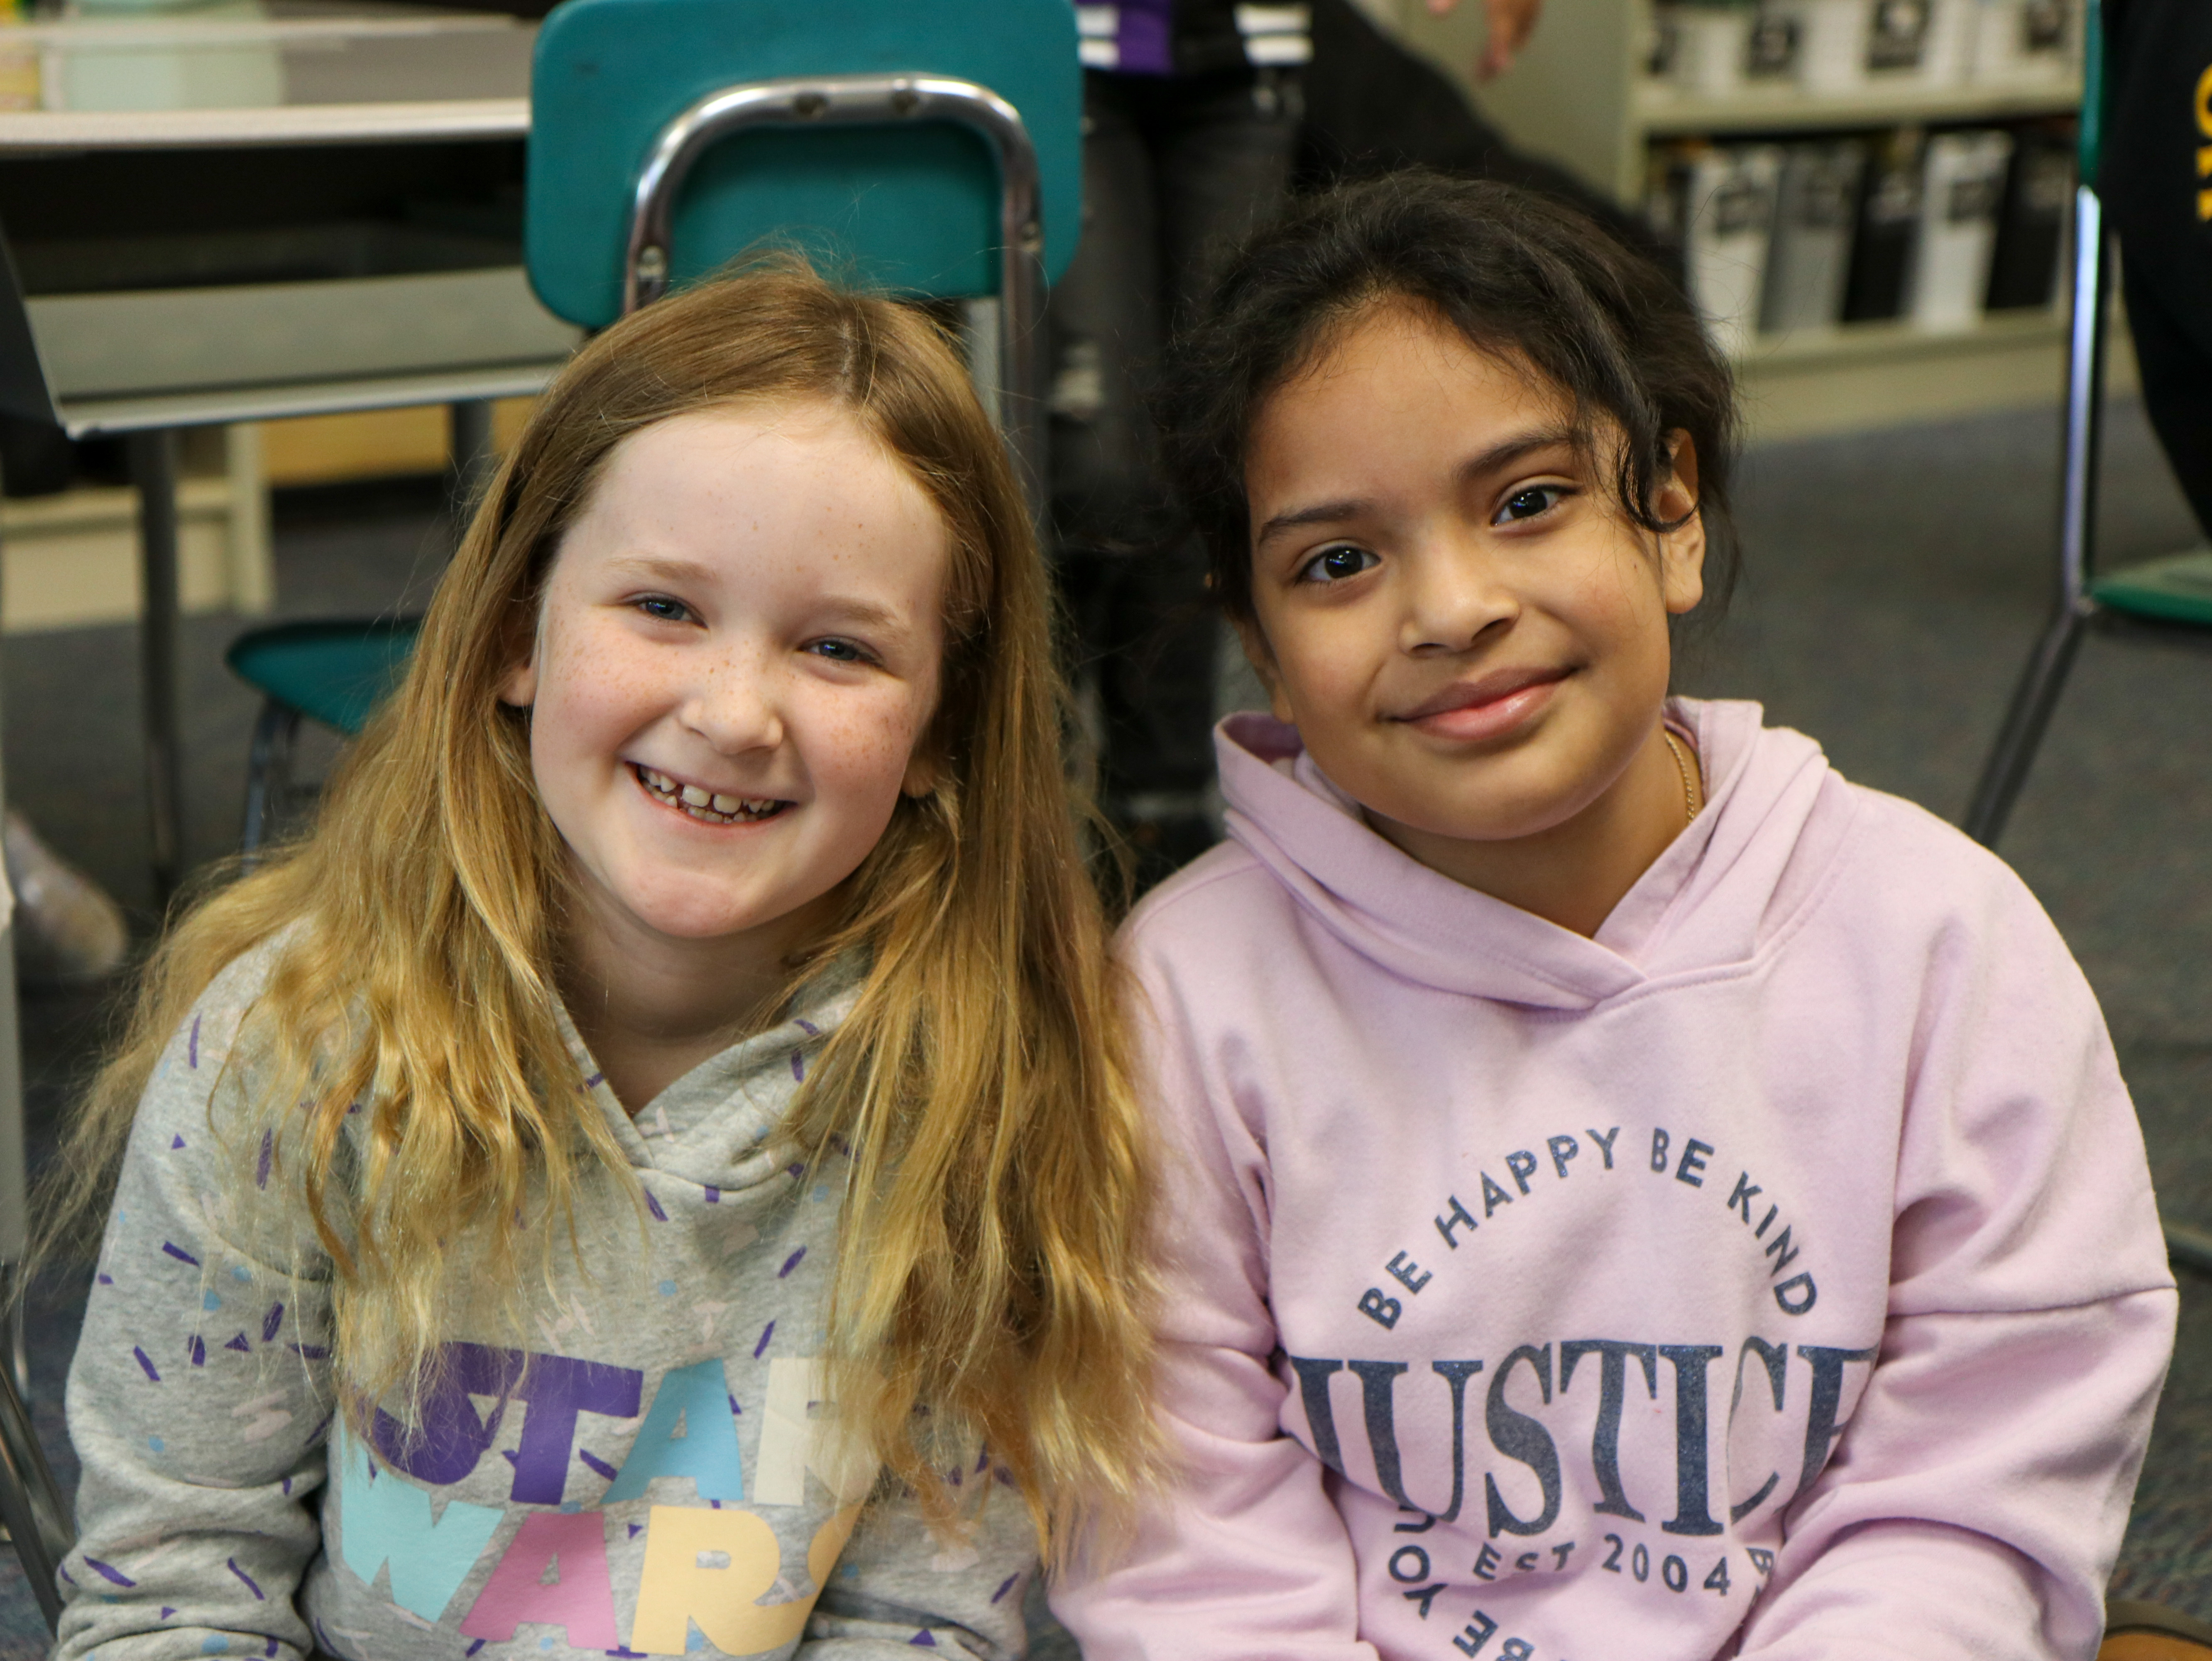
point(222, 73)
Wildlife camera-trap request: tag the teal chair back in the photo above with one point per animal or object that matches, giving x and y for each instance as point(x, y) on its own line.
point(335, 671)
point(914, 208)
point(932, 150)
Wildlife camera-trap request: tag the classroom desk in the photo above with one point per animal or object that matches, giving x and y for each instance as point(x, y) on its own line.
point(249, 210)
point(242, 210)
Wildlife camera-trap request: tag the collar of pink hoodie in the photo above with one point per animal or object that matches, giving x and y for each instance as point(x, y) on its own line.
point(1775, 819)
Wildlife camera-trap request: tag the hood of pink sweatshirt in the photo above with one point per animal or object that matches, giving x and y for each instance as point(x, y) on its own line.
point(1775, 1272)
point(1722, 887)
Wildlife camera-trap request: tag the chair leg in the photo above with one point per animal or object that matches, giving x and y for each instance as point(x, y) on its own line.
point(2040, 683)
point(2045, 674)
point(2189, 1248)
point(268, 774)
point(15, 1356)
point(30, 1503)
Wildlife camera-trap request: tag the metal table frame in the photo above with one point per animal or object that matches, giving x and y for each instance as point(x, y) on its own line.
point(148, 429)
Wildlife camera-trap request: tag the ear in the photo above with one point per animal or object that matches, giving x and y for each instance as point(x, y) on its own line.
point(1682, 550)
point(521, 686)
point(922, 772)
point(932, 744)
point(1262, 656)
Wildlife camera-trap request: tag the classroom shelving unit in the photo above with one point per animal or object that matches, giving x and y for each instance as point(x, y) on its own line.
point(1578, 95)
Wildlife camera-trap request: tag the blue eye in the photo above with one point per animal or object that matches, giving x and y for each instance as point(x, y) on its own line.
point(1337, 564)
point(662, 609)
point(841, 651)
point(1533, 502)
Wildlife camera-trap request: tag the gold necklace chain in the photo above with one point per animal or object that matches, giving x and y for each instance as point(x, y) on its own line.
point(1681, 766)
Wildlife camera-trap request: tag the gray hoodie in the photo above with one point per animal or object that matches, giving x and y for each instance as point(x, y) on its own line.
point(649, 1477)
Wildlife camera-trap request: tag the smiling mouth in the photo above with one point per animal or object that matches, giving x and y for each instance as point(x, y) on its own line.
point(708, 808)
point(1491, 693)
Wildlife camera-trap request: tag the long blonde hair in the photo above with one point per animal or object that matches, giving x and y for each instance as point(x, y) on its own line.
point(991, 1283)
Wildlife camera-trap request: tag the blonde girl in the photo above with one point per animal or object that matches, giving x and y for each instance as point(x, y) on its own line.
point(670, 1097)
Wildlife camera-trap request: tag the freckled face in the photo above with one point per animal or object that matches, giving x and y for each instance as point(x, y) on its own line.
point(737, 656)
point(1468, 634)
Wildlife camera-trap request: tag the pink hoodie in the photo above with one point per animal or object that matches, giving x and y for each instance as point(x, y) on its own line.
point(1775, 1274)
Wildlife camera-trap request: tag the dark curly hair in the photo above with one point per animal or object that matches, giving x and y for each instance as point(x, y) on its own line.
point(1520, 275)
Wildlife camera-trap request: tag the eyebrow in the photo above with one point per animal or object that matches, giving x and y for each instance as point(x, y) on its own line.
point(862, 613)
point(867, 613)
point(665, 566)
point(1501, 454)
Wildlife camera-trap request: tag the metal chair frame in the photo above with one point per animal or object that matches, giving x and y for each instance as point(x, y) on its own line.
point(874, 100)
point(268, 774)
point(2075, 608)
point(31, 1502)
point(2044, 676)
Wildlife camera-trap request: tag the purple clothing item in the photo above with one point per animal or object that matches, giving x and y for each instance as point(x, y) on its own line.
point(1146, 37)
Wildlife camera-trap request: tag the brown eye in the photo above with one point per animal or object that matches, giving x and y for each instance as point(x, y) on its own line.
point(1336, 564)
point(1536, 500)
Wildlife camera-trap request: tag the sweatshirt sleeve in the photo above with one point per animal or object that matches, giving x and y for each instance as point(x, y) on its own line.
point(1251, 1560)
point(197, 1398)
point(1980, 1488)
point(900, 1586)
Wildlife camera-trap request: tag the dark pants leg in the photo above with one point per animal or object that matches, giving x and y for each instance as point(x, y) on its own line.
point(1104, 330)
point(1225, 148)
point(2150, 177)
point(1174, 172)
point(2176, 389)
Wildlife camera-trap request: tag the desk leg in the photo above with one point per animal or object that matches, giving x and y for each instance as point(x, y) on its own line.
point(468, 427)
point(153, 458)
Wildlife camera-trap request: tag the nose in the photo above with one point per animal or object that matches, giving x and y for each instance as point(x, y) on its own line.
point(736, 705)
point(1456, 592)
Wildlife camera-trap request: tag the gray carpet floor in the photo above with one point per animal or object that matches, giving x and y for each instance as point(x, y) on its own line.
point(1893, 581)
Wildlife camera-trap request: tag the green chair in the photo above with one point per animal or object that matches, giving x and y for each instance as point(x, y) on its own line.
point(935, 151)
point(2172, 596)
point(333, 671)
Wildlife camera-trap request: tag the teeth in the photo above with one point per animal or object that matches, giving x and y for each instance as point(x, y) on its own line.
point(708, 807)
